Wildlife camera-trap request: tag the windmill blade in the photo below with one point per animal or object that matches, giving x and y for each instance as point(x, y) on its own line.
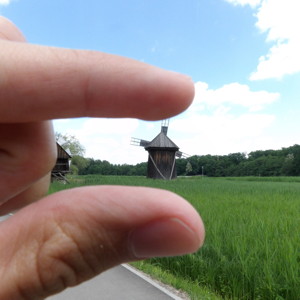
point(144, 143)
point(138, 142)
point(180, 154)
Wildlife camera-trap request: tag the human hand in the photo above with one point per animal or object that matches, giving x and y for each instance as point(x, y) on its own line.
point(71, 236)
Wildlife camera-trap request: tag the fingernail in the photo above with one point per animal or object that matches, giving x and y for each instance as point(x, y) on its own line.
point(162, 238)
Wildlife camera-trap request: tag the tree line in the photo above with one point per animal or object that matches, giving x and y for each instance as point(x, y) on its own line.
point(86, 166)
point(284, 162)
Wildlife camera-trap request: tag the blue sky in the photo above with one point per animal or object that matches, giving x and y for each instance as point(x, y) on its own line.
point(243, 56)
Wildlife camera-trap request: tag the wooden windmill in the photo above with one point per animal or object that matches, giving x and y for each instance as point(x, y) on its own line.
point(162, 154)
point(62, 166)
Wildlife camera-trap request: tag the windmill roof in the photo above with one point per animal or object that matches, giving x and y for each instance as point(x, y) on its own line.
point(161, 141)
point(63, 153)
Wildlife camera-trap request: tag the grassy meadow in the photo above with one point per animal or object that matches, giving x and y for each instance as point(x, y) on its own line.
point(252, 247)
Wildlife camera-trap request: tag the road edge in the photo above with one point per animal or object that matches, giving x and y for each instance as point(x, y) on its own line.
point(154, 283)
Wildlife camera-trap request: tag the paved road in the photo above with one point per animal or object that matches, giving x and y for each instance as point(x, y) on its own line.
point(116, 284)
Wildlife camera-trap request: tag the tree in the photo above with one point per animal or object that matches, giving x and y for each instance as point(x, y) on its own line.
point(71, 143)
point(188, 168)
point(181, 166)
point(291, 165)
point(79, 164)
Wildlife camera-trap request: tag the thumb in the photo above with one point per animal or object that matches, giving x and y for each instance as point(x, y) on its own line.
point(74, 235)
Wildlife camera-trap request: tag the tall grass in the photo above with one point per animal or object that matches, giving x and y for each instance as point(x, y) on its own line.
point(252, 248)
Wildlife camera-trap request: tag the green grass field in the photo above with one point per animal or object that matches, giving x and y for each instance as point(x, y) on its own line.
point(252, 248)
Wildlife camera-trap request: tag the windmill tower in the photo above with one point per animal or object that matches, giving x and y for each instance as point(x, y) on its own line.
point(162, 154)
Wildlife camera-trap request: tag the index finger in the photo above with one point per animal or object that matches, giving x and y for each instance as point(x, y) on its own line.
point(40, 83)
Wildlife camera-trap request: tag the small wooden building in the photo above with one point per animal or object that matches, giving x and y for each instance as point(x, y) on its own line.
point(62, 166)
point(162, 154)
point(162, 157)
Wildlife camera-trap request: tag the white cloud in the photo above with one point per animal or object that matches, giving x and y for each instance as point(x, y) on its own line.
point(213, 126)
point(233, 94)
point(282, 59)
point(105, 139)
point(109, 139)
point(5, 2)
point(95, 126)
point(280, 19)
point(222, 133)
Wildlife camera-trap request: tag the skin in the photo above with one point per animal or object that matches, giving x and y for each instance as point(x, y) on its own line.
point(61, 240)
